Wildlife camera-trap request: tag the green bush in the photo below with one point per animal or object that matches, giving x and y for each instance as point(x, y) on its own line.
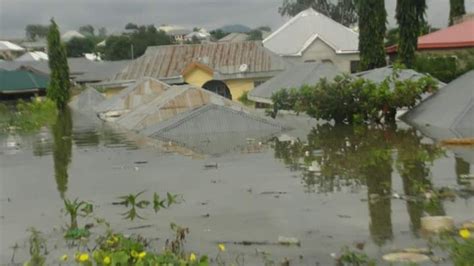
point(29, 116)
point(353, 100)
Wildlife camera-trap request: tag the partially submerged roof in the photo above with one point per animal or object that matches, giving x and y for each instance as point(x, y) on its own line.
point(213, 129)
point(167, 62)
point(21, 81)
point(378, 75)
point(68, 35)
point(87, 100)
point(33, 56)
point(294, 77)
point(457, 36)
point(81, 69)
point(449, 113)
point(234, 37)
point(296, 35)
point(135, 95)
point(9, 46)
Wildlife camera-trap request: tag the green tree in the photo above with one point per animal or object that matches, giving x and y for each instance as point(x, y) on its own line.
point(372, 27)
point(410, 17)
point(343, 11)
point(118, 48)
point(59, 84)
point(255, 35)
point(102, 32)
point(218, 34)
point(35, 31)
point(87, 30)
point(77, 47)
point(457, 9)
point(62, 147)
point(131, 26)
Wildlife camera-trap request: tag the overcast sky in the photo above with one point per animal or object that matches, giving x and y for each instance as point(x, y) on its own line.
point(211, 14)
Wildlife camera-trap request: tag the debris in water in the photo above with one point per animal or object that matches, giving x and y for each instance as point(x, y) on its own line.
point(343, 216)
point(436, 224)
point(287, 241)
point(211, 165)
point(405, 257)
point(140, 162)
point(140, 227)
point(273, 193)
point(207, 215)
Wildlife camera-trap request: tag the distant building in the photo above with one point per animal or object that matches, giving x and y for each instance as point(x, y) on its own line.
point(177, 32)
point(311, 36)
point(22, 83)
point(227, 68)
point(39, 45)
point(234, 37)
point(455, 38)
point(68, 35)
point(201, 35)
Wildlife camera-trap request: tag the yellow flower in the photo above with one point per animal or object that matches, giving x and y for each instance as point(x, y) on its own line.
point(82, 257)
point(221, 247)
point(141, 255)
point(64, 257)
point(464, 233)
point(134, 253)
point(192, 257)
point(106, 260)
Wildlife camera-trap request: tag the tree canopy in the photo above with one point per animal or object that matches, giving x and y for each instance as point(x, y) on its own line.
point(457, 9)
point(77, 47)
point(343, 11)
point(59, 84)
point(410, 17)
point(87, 30)
point(35, 31)
point(372, 27)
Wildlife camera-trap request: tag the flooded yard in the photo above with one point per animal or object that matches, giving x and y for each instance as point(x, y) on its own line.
point(326, 186)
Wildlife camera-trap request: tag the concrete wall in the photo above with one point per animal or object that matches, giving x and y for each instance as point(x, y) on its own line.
point(320, 51)
point(237, 87)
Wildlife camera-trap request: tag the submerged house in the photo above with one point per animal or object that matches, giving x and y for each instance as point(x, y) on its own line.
point(22, 83)
point(311, 36)
point(293, 77)
point(449, 113)
point(184, 114)
point(229, 68)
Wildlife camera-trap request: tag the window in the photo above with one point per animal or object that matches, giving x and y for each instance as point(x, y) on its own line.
point(355, 66)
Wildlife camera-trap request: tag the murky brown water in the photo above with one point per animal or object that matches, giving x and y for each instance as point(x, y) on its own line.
point(334, 187)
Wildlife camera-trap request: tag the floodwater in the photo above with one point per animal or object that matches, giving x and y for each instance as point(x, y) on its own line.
point(327, 186)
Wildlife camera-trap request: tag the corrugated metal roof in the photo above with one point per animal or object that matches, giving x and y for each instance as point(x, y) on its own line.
point(294, 77)
point(449, 113)
point(234, 37)
point(298, 33)
point(9, 46)
point(81, 69)
point(213, 129)
point(135, 95)
point(87, 100)
point(165, 62)
point(378, 75)
point(457, 36)
point(21, 81)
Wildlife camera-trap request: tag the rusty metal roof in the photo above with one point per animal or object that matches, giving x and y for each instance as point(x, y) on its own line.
point(226, 59)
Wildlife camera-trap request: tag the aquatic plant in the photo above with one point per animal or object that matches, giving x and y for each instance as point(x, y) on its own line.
point(354, 258)
point(460, 246)
point(134, 202)
point(28, 116)
point(37, 250)
point(76, 208)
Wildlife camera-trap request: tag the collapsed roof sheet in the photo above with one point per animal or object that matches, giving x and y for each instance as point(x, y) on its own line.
point(87, 100)
point(449, 113)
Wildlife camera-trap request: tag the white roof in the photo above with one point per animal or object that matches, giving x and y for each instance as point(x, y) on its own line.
point(68, 35)
point(298, 33)
point(9, 46)
point(33, 56)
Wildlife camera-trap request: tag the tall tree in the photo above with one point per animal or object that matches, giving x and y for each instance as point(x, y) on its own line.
point(77, 47)
point(457, 9)
point(410, 17)
point(343, 11)
point(35, 31)
point(372, 27)
point(87, 30)
point(59, 84)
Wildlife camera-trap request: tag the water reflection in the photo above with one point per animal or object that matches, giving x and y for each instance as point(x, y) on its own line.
point(62, 149)
point(337, 158)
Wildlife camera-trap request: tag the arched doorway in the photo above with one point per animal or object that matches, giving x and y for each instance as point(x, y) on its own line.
point(218, 87)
